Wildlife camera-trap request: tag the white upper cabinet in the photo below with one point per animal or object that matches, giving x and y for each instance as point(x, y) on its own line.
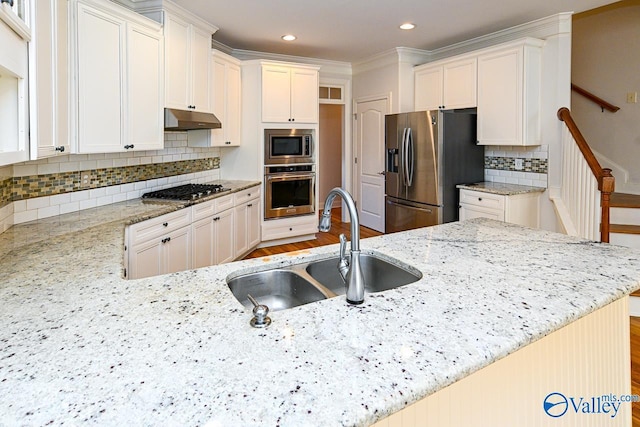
point(119, 79)
point(446, 85)
point(226, 96)
point(49, 66)
point(509, 79)
point(289, 94)
point(187, 60)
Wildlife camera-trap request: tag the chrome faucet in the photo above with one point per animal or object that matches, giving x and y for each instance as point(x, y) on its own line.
point(349, 268)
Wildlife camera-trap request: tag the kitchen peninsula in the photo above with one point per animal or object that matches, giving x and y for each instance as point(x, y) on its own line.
point(81, 345)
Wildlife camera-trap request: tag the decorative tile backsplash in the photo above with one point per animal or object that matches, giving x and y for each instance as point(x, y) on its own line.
point(517, 165)
point(27, 187)
point(69, 183)
point(509, 164)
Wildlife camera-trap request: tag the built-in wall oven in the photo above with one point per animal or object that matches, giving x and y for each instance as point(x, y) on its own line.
point(289, 190)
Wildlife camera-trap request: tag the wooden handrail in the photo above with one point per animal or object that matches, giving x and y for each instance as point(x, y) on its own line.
point(601, 102)
point(606, 181)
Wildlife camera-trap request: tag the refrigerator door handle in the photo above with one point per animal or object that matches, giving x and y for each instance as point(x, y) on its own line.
point(410, 156)
point(409, 207)
point(403, 157)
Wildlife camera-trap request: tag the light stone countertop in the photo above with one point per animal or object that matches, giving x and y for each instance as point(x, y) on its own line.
point(81, 345)
point(501, 188)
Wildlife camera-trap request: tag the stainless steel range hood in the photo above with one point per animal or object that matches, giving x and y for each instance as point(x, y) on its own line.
point(189, 120)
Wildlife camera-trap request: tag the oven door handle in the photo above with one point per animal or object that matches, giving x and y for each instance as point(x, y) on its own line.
point(281, 177)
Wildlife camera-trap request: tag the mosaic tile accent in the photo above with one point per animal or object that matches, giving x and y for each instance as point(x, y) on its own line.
point(508, 164)
point(6, 186)
point(27, 187)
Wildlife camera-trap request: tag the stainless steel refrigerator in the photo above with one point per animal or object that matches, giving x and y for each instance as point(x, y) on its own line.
point(428, 153)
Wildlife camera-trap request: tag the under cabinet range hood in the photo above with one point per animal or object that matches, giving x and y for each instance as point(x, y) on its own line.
point(189, 120)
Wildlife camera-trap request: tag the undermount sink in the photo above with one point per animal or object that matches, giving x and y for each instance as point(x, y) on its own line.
point(379, 274)
point(286, 287)
point(277, 289)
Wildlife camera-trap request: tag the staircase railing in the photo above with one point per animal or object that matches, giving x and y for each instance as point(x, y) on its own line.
point(586, 186)
point(591, 97)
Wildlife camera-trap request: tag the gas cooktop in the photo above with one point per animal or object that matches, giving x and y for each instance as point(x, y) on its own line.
point(186, 192)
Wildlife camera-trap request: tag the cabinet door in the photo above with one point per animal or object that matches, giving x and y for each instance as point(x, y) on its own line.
point(224, 236)
point(203, 238)
point(233, 100)
point(253, 223)
point(100, 44)
point(428, 89)
point(218, 100)
point(200, 60)
point(276, 94)
point(500, 98)
point(304, 95)
point(459, 84)
point(241, 240)
point(49, 97)
point(177, 62)
point(145, 125)
point(177, 256)
point(146, 259)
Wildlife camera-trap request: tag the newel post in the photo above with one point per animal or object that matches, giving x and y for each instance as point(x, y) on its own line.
point(607, 186)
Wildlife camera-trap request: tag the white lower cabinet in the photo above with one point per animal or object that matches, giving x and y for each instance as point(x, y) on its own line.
point(161, 255)
point(213, 239)
point(247, 215)
point(522, 209)
point(209, 233)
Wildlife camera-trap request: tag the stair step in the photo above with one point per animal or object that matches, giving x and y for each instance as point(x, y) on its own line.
point(624, 229)
point(623, 200)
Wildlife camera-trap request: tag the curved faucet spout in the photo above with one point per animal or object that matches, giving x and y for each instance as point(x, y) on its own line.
point(349, 269)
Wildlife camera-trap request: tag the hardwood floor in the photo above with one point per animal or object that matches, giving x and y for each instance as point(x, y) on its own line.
point(635, 368)
point(322, 239)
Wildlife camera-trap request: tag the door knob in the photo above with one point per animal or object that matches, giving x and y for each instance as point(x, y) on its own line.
point(382, 173)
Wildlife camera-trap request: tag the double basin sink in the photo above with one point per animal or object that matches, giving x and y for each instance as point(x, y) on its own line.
point(291, 286)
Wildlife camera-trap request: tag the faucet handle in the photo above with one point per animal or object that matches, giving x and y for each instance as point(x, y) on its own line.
point(343, 246)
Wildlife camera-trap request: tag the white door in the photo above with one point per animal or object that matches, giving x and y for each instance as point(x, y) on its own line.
point(369, 180)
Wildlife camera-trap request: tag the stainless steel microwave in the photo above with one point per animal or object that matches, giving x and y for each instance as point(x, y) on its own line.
point(285, 146)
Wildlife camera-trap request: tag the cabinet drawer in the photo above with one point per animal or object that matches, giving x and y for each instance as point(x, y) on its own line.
point(159, 226)
point(283, 228)
point(211, 207)
point(246, 195)
point(485, 200)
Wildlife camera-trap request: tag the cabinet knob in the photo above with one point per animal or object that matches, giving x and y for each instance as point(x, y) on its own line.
point(249, 205)
point(165, 224)
point(60, 148)
point(166, 239)
point(126, 147)
point(228, 142)
point(293, 120)
point(479, 199)
point(290, 229)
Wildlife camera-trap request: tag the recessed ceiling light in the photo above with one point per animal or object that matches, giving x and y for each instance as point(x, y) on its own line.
point(407, 26)
point(289, 37)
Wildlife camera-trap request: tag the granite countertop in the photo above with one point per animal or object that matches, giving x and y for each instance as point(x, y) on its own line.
point(501, 188)
point(81, 345)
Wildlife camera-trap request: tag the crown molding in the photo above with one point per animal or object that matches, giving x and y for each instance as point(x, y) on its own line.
point(146, 6)
point(326, 66)
point(541, 28)
point(392, 57)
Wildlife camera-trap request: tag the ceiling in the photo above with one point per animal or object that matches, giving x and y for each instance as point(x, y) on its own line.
point(353, 30)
